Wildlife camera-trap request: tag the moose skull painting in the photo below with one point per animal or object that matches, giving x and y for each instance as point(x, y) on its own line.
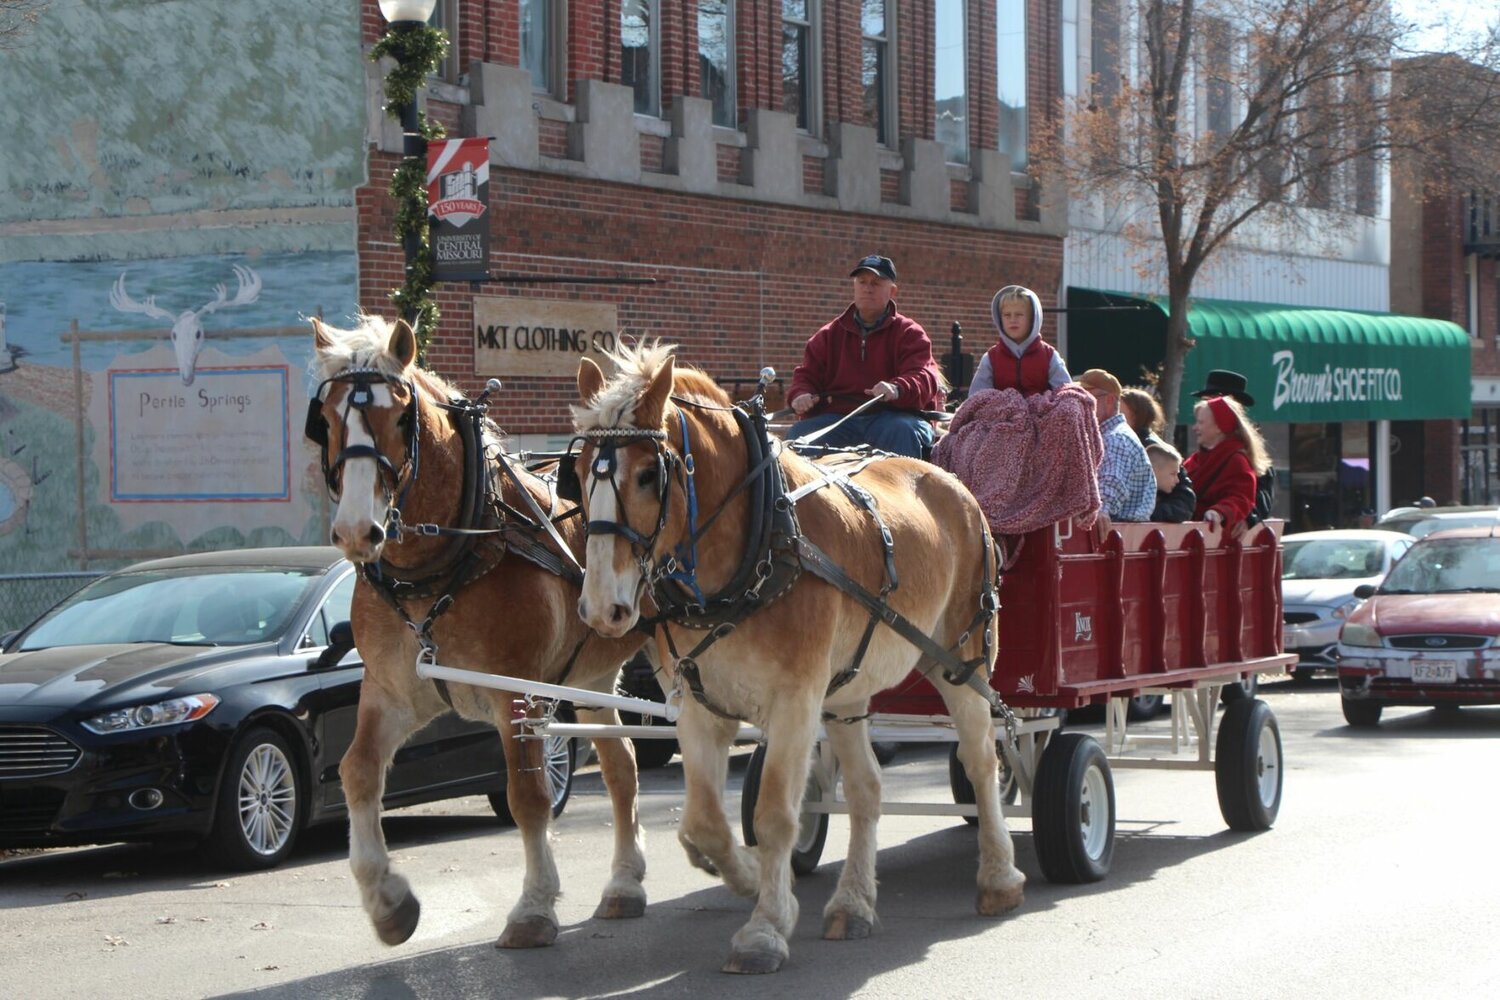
point(187, 327)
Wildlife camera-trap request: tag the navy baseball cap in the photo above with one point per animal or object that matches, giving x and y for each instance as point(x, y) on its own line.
point(882, 266)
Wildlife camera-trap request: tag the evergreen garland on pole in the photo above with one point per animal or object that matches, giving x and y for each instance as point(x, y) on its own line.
point(418, 50)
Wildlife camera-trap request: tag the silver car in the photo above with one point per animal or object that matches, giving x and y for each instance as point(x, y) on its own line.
point(1319, 572)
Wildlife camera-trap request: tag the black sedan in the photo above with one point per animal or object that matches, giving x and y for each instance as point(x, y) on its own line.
point(209, 698)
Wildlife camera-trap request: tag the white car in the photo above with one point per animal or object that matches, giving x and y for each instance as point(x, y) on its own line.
point(1319, 572)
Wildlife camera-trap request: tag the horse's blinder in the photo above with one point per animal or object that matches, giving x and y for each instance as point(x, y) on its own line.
point(315, 428)
point(603, 466)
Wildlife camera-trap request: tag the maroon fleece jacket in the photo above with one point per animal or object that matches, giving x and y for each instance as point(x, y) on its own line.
point(838, 363)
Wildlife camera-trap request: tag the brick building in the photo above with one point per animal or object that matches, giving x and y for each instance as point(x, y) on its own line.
point(743, 153)
point(1446, 242)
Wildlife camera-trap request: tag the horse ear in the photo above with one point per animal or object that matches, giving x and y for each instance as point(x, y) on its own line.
point(650, 411)
point(322, 339)
point(403, 344)
point(590, 380)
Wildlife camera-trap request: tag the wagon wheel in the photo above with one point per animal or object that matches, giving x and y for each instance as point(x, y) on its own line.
point(1073, 810)
point(1242, 689)
point(812, 828)
point(1247, 766)
point(963, 791)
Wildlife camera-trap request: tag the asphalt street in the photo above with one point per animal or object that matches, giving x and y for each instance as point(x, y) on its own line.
point(1378, 880)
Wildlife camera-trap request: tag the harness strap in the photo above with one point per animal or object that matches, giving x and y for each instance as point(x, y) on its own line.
point(542, 520)
point(955, 671)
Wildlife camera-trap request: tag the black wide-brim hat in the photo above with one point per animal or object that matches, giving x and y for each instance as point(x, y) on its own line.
point(1226, 383)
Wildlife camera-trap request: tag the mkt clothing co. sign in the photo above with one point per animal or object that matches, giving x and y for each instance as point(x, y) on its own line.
point(514, 336)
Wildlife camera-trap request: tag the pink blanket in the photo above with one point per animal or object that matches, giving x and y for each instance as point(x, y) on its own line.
point(1029, 462)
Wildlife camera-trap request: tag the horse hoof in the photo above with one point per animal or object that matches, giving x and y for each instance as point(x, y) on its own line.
point(993, 902)
point(846, 927)
point(535, 932)
point(400, 923)
point(621, 907)
point(753, 963)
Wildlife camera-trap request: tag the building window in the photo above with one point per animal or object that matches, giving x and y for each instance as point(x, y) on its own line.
point(539, 43)
point(445, 17)
point(950, 92)
point(716, 58)
point(1010, 78)
point(1218, 89)
point(1471, 295)
point(875, 67)
point(640, 48)
point(799, 79)
point(1069, 39)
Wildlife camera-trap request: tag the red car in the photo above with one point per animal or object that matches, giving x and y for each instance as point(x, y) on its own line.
point(1430, 633)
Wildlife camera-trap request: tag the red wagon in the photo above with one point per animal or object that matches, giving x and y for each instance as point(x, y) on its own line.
point(1155, 608)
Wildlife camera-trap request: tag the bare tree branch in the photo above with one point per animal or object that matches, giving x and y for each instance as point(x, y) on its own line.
point(1307, 102)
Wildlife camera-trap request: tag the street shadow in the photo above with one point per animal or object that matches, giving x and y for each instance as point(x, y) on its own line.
point(113, 870)
point(926, 900)
point(1469, 722)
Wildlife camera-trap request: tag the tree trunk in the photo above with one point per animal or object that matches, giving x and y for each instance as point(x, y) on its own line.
point(1177, 347)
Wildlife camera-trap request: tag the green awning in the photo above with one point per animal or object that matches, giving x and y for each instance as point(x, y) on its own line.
point(1302, 365)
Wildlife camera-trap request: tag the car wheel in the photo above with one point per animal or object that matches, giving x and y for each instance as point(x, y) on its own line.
point(1143, 707)
point(963, 789)
point(1361, 714)
point(559, 760)
point(1303, 675)
point(1241, 690)
point(885, 752)
point(1073, 811)
point(260, 803)
point(812, 828)
point(1247, 766)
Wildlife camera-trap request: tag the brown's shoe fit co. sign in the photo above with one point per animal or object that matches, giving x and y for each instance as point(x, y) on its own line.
point(458, 197)
point(515, 336)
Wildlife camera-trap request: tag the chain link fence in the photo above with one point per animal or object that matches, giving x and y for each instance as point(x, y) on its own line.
point(24, 596)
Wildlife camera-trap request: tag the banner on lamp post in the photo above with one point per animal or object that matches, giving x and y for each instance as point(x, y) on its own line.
point(458, 198)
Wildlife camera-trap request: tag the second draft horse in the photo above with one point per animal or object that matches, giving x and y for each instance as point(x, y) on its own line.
point(796, 612)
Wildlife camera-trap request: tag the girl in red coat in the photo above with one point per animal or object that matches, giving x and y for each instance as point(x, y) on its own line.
point(1230, 455)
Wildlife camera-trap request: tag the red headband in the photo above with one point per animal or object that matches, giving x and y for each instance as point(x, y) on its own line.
point(1224, 417)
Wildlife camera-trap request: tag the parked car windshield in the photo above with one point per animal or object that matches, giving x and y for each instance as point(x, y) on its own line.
point(1332, 559)
point(194, 607)
point(1447, 566)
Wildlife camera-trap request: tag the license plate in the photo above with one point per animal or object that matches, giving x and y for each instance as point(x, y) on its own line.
point(1434, 671)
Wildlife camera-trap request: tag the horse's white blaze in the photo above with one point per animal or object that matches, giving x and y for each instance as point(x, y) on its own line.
point(362, 503)
point(603, 585)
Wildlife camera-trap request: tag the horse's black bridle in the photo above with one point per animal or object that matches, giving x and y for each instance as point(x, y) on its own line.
point(395, 482)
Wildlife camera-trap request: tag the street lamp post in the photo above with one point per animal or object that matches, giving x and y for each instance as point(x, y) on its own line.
point(418, 50)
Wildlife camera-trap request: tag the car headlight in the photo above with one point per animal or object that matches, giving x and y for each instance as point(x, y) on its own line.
point(1347, 608)
point(1360, 634)
point(171, 712)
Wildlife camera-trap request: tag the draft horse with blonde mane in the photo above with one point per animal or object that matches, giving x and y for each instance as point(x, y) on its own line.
point(454, 559)
point(773, 569)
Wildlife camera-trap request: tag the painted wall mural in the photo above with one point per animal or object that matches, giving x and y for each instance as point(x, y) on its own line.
point(129, 430)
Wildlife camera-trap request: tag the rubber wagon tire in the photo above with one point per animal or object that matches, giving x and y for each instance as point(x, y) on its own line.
point(261, 804)
point(812, 828)
point(963, 790)
point(1248, 766)
point(560, 758)
point(1073, 810)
